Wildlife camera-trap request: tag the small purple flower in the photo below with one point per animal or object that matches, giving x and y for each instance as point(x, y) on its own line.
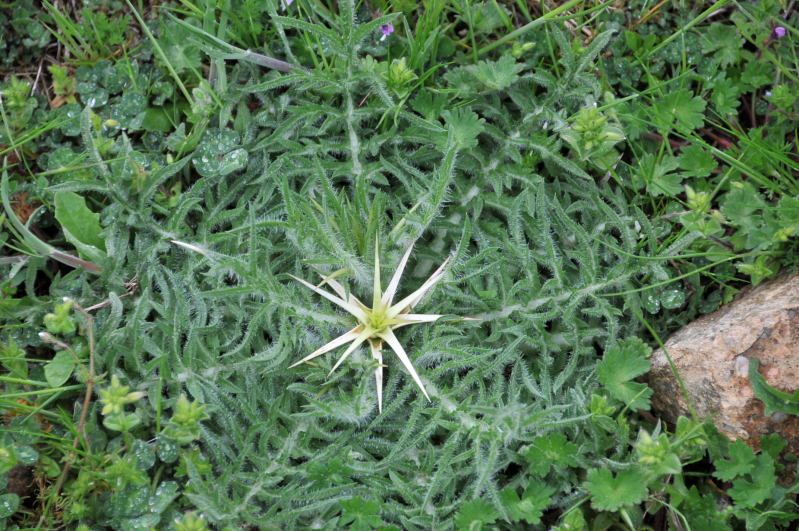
point(285, 3)
point(778, 32)
point(386, 29)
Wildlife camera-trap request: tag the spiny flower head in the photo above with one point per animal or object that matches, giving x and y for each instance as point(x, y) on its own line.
point(377, 324)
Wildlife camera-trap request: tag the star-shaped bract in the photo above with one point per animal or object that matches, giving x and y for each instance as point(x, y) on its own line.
point(377, 324)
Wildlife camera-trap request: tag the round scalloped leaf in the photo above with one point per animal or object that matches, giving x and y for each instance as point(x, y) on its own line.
point(168, 450)
point(9, 503)
point(609, 493)
point(217, 154)
point(145, 456)
point(92, 95)
point(70, 113)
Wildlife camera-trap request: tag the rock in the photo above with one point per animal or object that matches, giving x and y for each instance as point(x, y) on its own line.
point(712, 356)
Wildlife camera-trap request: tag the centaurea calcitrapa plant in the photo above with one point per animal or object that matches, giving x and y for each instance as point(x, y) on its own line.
point(514, 158)
point(377, 324)
point(334, 155)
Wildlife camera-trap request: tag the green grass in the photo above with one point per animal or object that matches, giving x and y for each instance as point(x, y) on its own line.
point(597, 177)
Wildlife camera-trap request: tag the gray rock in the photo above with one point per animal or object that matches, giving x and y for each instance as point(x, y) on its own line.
point(712, 356)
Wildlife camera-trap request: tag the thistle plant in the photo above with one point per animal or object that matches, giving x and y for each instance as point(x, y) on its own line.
point(377, 324)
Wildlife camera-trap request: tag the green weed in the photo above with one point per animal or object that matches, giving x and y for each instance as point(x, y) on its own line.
point(591, 176)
